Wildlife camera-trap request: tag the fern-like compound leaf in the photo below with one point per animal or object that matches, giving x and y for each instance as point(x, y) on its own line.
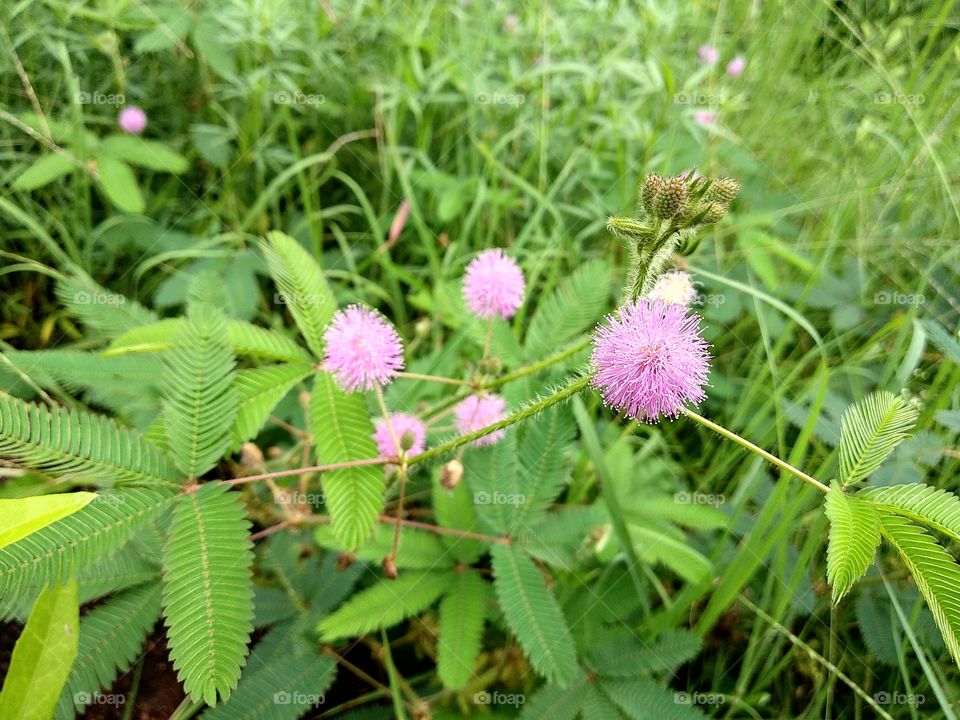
point(301, 285)
point(494, 477)
point(869, 431)
point(90, 534)
point(543, 465)
point(936, 508)
point(641, 699)
point(416, 549)
point(616, 654)
point(386, 603)
point(208, 591)
point(111, 638)
point(854, 537)
point(533, 615)
point(103, 311)
point(200, 399)
point(934, 570)
point(461, 629)
point(258, 392)
point(343, 431)
point(80, 445)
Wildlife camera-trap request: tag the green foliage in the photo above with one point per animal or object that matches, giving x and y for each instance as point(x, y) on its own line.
point(543, 463)
point(934, 507)
point(42, 656)
point(385, 603)
point(96, 531)
point(460, 636)
point(869, 431)
point(119, 184)
point(640, 698)
point(44, 171)
point(533, 615)
point(200, 399)
point(79, 445)
point(342, 431)
point(417, 549)
point(615, 654)
point(493, 476)
point(111, 638)
point(301, 286)
point(207, 591)
point(102, 311)
point(258, 392)
point(20, 517)
point(854, 538)
point(149, 154)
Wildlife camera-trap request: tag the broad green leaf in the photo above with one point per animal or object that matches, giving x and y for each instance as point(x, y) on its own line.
point(208, 591)
point(385, 603)
point(343, 431)
point(149, 154)
point(461, 629)
point(869, 431)
point(23, 516)
point(533, 615)
point(120, 184)
point(934, 570)
point(43, 655)
point(44, 171)
point(854, 537)
point(301, 287)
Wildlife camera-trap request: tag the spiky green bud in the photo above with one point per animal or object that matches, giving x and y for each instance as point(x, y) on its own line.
point(724, 190)
point(630, 229)
point(649, 189)
point(672, 198)
point(714, 212)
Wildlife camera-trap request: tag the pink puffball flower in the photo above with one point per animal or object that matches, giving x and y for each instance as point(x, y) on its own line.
point(493, 285)
point(649, 359)
point(403, 425)
point(478, 411)
point(363, 349)
point(736, 66)
point(705, 117)
point(132, 120)
point(674, 287)
point(708, 54)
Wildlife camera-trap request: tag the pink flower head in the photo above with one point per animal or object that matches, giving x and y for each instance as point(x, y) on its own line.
point(736, 66)
point(650, 359)
point(493, 286)
point(132, 120)
point(403, 425)
point(708, 54)
point(705, 117)
point(478, 411)
point(363, 349)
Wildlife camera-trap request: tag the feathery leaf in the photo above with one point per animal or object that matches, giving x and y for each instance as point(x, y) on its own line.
point(854, 537)
point(869, 431)
point(934, 507)
point(461, 629)
point(258, 392)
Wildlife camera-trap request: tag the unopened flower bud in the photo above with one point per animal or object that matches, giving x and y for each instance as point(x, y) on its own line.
point(345, 560)
point(304, 399)
point(274, 452)
point(715, 212)
point(672, 199)
point(724, 190)
point(649, 189)
point(389, 566)
point(407, 440)
point(450, 474)
point(251, 457)
point(630, 229)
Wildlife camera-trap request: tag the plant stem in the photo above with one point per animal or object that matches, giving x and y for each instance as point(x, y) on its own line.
point(311, 469)
point(744, 443)
point(522, 414)
point(488, 339)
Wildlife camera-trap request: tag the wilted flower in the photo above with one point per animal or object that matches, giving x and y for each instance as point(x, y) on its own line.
point(705, 117)
point(649, 359)
point(132, 120)
point(409, 430)
point(493, 286)
point(362, 349)
point(674, 287)
point(708, 54)
point(736, 66)
point(478, 411)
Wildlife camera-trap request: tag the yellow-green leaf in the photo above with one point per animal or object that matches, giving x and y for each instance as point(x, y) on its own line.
point(21, 516)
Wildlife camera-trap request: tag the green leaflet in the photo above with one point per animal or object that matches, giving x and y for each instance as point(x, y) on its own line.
point(417, 549)
point(200, 399)
point(455, 509)
point(493, 476)
point(80, 444)
point(42, 656)
point(543, 464)
point(854, 537)
point(111, 638)
point(207, 593)
point(642, 699)
point(934, 570)
point(461, 629)
point(44, 171)
point(103, 311)
point(343, 431)
point(555, 703)
point(533, 615)
point(869, 431)
point(385, 603)
point(301, 285)
point(20, 517)
point(938, 509)
point(258, 392)
point(87, 536)
point(616, 654)
point(149, 154)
